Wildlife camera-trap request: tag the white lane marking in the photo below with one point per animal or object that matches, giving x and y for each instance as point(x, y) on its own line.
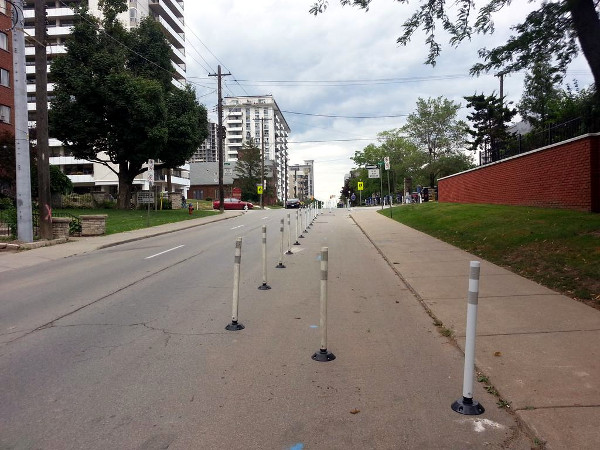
point(266, 217)
point(161, 253)
point(239, 226)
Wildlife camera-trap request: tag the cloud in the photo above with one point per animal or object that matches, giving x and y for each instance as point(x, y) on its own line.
point(278, 40)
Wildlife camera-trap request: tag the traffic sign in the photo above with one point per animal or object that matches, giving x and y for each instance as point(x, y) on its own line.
point(259, 189)
point(386, 161)
point(360, 185)
point(373, 173)
point(150, 172)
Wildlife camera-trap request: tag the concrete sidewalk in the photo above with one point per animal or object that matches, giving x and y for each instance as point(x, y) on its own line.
point(540, 349)
point(75, 246)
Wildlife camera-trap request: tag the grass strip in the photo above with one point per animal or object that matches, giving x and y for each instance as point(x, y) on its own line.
point(119, 221)
point(557, 248)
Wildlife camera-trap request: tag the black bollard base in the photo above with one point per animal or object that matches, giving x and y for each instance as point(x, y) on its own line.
point(301, 237)
point(280, 266)
point(289, 252)
point(264, 287)
point(234, 326)
point(323, 356)
point(468, 407)
point(296, 243)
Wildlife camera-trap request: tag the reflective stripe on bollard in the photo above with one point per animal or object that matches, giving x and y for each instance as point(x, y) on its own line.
point(234, 325)
point(467, 405)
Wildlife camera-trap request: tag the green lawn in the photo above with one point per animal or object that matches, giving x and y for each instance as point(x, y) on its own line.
point(557, 248)
point(119, 221)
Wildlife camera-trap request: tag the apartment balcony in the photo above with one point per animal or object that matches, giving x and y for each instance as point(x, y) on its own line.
point(81, 179)
point(165, 8)
point(50, 50)
point(66, 160)
point(52, 13)
point(179, 71)
point(177, 55)
point(235, 130)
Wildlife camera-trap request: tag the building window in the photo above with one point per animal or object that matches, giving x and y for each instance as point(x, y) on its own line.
point(3, 6)
point(4, 77)
point(3, 41)
point(4, 114)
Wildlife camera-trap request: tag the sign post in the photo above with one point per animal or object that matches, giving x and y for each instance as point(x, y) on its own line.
point(361, 186)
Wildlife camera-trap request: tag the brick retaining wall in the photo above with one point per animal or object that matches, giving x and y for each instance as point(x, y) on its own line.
point(564, 175)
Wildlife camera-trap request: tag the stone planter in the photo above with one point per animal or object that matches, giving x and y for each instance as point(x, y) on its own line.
point(93, 225)
point(175, 199)
point(60, 227)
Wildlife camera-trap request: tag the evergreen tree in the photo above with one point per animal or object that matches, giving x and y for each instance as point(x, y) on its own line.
point(490, 122)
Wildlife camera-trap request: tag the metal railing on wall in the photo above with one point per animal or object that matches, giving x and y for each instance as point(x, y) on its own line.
point(537, 139)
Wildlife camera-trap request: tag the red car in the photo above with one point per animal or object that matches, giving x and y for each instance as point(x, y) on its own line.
point(232, 203)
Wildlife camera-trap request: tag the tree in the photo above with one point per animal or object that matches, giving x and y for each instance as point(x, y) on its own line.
point(541, 95)
point(187, 128)
point(247, 170)
point(8, 169)
point(435, 129)
point(555, 28)
point(111, 104)
point(490, 121)
point(406, 161)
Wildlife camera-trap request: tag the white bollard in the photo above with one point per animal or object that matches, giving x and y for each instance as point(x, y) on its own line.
point(467, 405)
point(289, 252)
point(234, 325)
point(264, 286)
point(280, 265)
point(305, 220)
point(323, 355)
point(297, 218)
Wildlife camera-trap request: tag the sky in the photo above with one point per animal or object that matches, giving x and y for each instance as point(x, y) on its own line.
point(345, 62)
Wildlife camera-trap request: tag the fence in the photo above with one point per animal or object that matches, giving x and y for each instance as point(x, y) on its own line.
point(534, 140)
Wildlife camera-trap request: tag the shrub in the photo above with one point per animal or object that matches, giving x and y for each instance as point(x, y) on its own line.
point(6, 203)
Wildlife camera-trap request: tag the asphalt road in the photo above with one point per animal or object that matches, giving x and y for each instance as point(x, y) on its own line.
point(126, 348)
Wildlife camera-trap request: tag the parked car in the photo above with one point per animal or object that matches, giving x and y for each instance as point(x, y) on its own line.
point(232, 203)
point(292, 203)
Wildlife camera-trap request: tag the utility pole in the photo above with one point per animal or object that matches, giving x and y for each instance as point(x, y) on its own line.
point(220, 134)
point(23, 172)
point(41, 122)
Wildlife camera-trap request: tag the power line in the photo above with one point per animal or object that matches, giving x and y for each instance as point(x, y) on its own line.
point(345, 117)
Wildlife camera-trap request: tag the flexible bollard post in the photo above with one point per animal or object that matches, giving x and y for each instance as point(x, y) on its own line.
point(235, 325)
point(301, 215)
point(297, 218)
point(306, 220)
point(280, 265)
point(323, 355)
point(467, 405)
point(289, 251)
point(264, 286)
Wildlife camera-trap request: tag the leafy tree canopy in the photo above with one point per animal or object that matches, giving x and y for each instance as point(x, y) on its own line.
point(554, 28)
point(115, 104)
point(247, 170)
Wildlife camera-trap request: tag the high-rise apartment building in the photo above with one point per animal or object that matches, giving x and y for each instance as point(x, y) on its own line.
point(60, 19)
point(257, 119)
point(208, 149)
point(301, 182)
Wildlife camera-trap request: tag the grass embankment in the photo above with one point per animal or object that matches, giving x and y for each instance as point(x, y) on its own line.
point(557, 248)
point(119, 221)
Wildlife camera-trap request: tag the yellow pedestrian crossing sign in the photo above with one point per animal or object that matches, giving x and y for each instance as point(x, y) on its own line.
point(259, 189)
point(360, 185)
